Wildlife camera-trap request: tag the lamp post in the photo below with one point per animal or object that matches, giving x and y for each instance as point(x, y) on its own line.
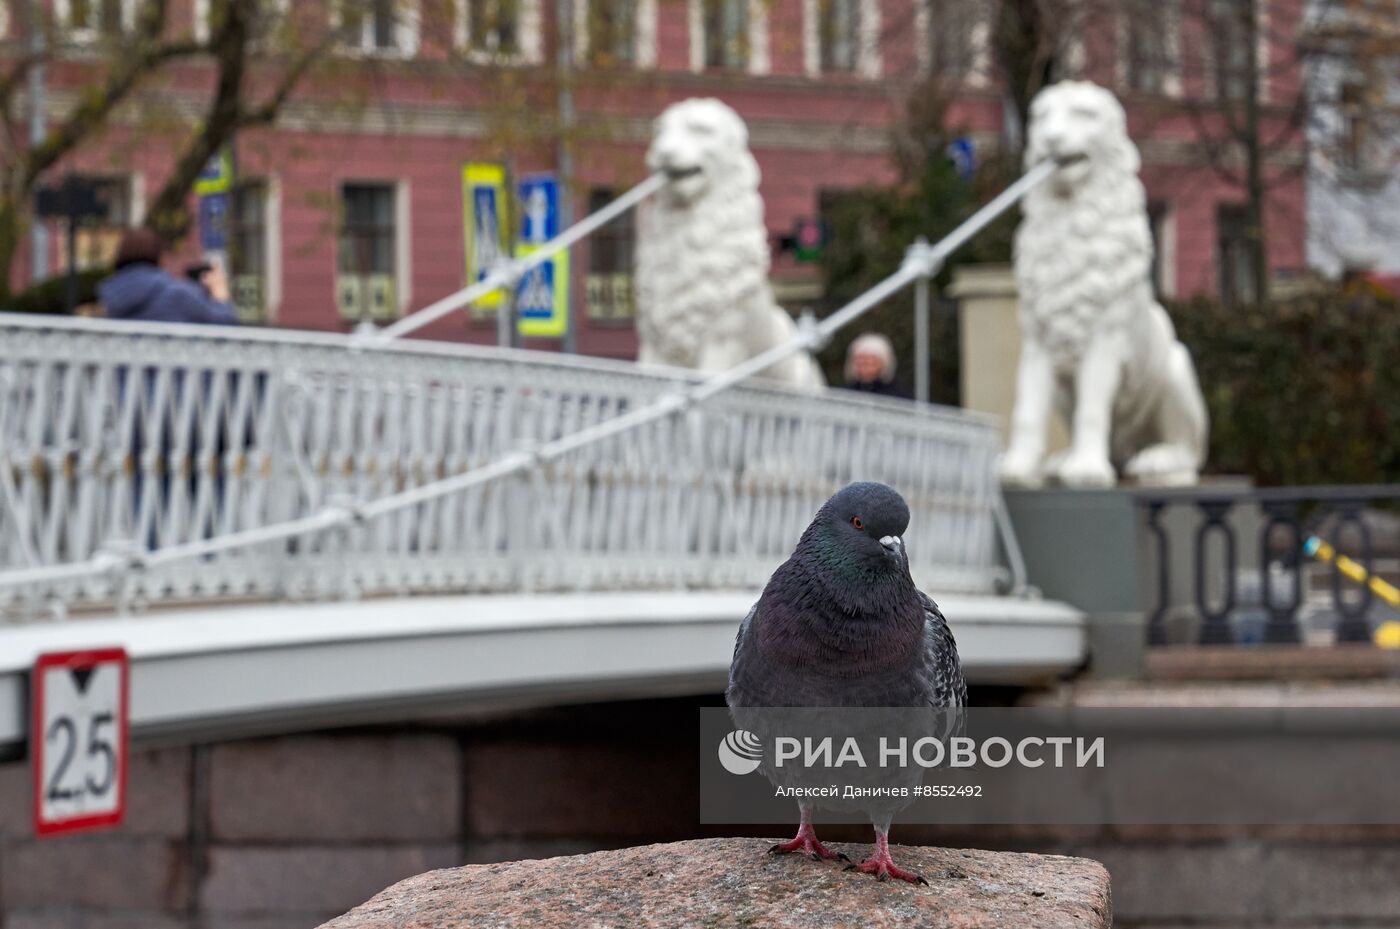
point(564, 60)
point(921, 337)
point(39, 242)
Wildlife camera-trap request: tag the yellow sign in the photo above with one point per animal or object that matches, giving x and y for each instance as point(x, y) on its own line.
point(484, 219)
point(217, 176)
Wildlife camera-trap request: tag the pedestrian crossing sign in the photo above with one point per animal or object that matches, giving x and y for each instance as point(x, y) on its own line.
point(484, 219)
point(542, 296)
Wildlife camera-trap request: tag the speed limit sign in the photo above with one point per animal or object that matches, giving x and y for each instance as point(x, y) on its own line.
point(79, 740)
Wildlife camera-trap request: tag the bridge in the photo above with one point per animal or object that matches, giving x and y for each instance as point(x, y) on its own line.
point(622, 567)
point(287, 529)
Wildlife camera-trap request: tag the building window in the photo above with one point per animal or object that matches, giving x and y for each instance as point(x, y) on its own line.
point(379, 27)
point(97, 237)
point(1355, 125)
point(842, 37)
point(1235, 254)
point(114, 193)
point(271, 14)
point(1150, 49)
point(953, 36)
point(839, 34)
point(493, 27)
point(1230, 35)
point(610, 263)
point(365, 284)
point(726, 30)
point(607, 32)
point(90, 20)
point(248, 250)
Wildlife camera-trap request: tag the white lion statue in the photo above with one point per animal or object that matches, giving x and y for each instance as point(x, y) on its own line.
point(703, 299)
point(1094, 339)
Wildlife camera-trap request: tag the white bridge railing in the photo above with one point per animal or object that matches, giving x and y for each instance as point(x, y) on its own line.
point(143, 463)
point(124, 440)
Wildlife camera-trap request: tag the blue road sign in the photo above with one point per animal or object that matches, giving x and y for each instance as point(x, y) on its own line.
point(213, 222)
point(542, 296)
point(534, 295)
point(964, 157)
point(539, 208)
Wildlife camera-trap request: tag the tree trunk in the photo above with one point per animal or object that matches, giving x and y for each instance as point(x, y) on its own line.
point(1023, 41)
point(169, 215)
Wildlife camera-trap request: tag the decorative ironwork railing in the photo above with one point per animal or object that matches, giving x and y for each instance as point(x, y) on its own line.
point(1247, 559)
point(122, 441)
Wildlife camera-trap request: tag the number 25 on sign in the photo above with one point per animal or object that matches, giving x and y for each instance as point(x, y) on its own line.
point(78, 740)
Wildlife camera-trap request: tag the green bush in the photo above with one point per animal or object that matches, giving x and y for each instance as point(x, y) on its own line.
point(1302, 391)
point(50, 295)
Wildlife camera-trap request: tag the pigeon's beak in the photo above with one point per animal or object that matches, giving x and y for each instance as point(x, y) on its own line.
point(894, 547)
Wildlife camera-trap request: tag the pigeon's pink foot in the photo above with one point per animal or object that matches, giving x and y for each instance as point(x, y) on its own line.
point(882, 865)
point(806, 843)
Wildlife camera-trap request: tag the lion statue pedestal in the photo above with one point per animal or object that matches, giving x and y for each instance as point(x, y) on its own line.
point(1095, 342)
point(703, 299)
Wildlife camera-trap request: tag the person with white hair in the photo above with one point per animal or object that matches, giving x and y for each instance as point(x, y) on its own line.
point(870, 367)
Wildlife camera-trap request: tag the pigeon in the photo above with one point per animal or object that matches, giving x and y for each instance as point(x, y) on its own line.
point(841, 624)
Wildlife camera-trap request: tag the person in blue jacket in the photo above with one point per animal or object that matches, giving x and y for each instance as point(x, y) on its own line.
point(138, 289)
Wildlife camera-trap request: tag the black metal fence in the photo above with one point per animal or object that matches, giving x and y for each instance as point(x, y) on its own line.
point(1343, 517)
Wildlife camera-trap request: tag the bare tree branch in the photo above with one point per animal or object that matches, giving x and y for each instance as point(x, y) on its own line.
point(267, 111)
point(143, 53)
point(240, 25)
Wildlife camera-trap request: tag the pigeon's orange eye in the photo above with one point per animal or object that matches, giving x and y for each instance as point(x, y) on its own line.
point(857, 522)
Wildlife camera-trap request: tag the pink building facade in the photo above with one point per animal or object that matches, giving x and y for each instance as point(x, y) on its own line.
point(371, 188)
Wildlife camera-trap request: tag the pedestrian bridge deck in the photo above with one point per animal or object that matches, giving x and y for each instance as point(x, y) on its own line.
point(226, 671)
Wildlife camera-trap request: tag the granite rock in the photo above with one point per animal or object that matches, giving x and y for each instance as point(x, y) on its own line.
point(735, 883)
